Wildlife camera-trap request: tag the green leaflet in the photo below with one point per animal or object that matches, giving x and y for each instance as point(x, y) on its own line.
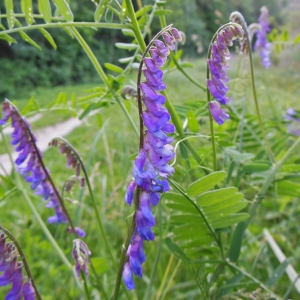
point(9, 6)
point(113, 68)
point(64, 9)
point(26, 6)
point(100, 10)
point(27, 39)
point(205, 183)
point(45, 10)
point(48, 37)
point(216, 196)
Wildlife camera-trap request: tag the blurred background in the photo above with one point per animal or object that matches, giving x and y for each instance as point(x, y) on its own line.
point(24, 67)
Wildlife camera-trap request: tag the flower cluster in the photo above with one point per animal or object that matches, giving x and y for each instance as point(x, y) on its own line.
point(11, 270)
point(217, 65)
point(151, 167)
point(30, 163)
point(73, 161)
point(293, 122)
point(262, 41)
point(81, 255)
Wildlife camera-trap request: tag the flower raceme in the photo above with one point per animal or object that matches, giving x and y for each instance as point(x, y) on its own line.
point(262, 41)
point(11, 270)
point(30, 163)
point(151, 169)
point(217, 66)
point(293, 119)
point(81, 255)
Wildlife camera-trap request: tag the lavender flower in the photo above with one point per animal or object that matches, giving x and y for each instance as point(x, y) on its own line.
point(293, 122)
point(217, 113)
point(30, 163)
point(11, 270)
point(151, 167)
point(262, 41)
point(81, 255)
point(217, 65)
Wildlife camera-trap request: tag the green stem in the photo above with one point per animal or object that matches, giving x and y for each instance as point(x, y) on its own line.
point(22, 255)
point(90, 55)
point(165, 277)
point(87, 180)
point(85, 285)
point(254, 279)
point(262, 128)
point(123, 258)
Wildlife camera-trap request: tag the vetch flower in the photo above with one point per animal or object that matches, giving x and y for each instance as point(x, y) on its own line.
point(81, 255)
point(151, 169)
point(217, 65)
point(262, 43)
point(293, 119)
point(30, 163)
point(11, 270)
point(217, 112)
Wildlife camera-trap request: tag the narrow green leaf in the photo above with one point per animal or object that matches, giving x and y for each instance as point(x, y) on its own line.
point(288, 188)
point(236, 242)
point(162, 12)
point(126, 46)
point(212, 197)
point(143, 11)
point(192, 122)
point(128, 32)
point(49, 38)
point(278, 273)
point(27, 39)
point(99, 120)
point(229, 220)
point(255, 167)
point(187, 219)
point(113, 68)
point(184, 154)
point(285, 35)
point(64, 9)
point(296, 39)
point(290, 168)
point(45, 9)
point(26, 6)
point(182, 208)
point(6, 37)
point(205, 183)
point(125, 60)
point(100, 10)
point(9, 6)
point(87, 110)
point(175, 249)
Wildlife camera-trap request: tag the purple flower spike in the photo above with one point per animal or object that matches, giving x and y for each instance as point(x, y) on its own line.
point(30, 162)
point(151, 169)
point(12, 272)
point(81, 255)
point(262, 41)
point(217, 112)
point(217, 65)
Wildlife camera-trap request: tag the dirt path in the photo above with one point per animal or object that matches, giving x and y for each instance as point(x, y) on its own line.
point(43, 135)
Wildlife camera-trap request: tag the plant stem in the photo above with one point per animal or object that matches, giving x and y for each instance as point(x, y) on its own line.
point(165, 277)
point(22, 255)
point(244, 25)
point(85, 285)
point(87, 180)
point(123, 257)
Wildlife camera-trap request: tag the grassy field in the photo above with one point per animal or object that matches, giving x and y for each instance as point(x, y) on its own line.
point(107, 145)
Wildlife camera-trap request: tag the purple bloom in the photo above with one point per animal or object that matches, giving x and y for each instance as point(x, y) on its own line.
point(30, 164)
point(217, 65)
point(217, 113)
point(293, 119)
point(262, 41)
point(12, 272)
point(151, 169)
point(81, 255)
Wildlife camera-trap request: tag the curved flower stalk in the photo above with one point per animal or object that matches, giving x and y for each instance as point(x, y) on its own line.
point(11, 269)
point(216, 68)
point(31, 166)
point(151, 168)
point(262, 43)
point(293, 125)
